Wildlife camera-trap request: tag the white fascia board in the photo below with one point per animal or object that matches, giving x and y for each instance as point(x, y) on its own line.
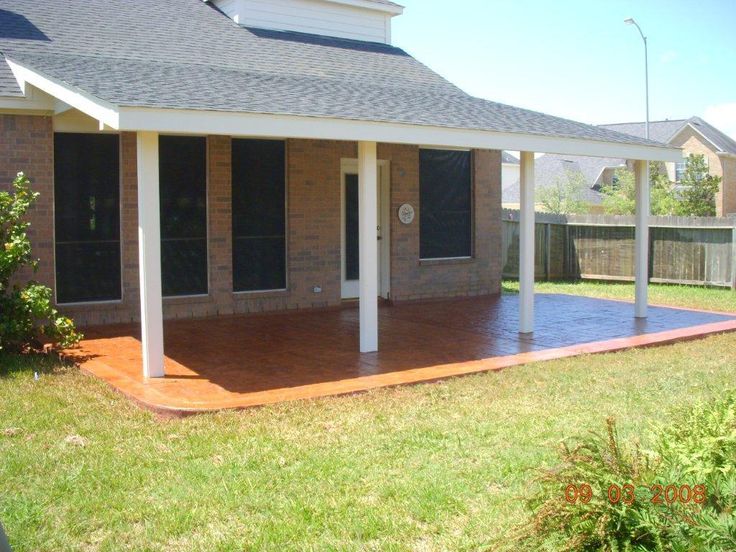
point(96, 108)
point(256, 125)
point(697, 131)
point(33, 100)
point(386, 8)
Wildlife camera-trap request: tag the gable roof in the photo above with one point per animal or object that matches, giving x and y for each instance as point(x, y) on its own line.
point(551, 168)
point(666, 131)
point(184, 55)
point(509, 159)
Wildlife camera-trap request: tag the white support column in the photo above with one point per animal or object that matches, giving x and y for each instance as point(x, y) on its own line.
point(368, 244)
point(526, 244)
point(149, 255)
point(641, 261)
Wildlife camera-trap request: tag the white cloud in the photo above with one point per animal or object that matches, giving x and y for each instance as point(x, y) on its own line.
point(668, 56)
point(723, 117)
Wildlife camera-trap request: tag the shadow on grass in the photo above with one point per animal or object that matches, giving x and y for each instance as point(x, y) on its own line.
point(43, 363)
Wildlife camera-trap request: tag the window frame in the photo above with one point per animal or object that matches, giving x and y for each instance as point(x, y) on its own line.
point(272, 291)
point(120, 224)
point(462, 258)
point(208, 292)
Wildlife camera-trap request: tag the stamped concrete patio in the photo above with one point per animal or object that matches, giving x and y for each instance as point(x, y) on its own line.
point(242, 361)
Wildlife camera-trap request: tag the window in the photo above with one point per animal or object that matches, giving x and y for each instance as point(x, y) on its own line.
point(445, 201)
point(680, 168)
point(259, 215)
point(183, 194)
point(87, 217)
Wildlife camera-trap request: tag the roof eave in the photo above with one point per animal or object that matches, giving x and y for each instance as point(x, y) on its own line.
point(393, 9)
point(262, 125)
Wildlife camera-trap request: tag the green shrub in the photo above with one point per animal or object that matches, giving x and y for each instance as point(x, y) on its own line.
point(27, 315)
point(699, 450)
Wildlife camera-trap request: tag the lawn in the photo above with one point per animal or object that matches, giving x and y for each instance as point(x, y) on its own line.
point(427, 467)
point(693, 297)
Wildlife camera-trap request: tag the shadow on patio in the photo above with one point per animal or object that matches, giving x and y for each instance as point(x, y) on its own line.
point(240, 361)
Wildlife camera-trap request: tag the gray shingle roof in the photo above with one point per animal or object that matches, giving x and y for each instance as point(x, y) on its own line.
point(506, 157)
point(182, 54)
point(665, 131)
point(549, 169)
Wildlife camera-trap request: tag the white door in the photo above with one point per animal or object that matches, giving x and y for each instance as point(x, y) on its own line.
point(350, 234)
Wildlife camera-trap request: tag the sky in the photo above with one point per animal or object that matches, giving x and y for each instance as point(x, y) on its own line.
point(577, 59)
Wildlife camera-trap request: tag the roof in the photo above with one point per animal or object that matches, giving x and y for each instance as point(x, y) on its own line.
point(551, 168)
point(666, 131)
point(152, 54)
point(507, 158)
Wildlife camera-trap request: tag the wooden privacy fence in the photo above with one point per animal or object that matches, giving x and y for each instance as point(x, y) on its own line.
point(682, 250)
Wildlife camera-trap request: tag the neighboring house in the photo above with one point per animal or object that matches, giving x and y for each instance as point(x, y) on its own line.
point(202, 159)
point(552, 169)
point(509, 169)
point(693, 135)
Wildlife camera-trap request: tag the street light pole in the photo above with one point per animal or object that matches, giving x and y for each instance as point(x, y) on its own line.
point(630, 21)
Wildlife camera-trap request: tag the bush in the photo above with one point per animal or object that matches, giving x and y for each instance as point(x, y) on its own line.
point(699, 450)
point(27, 315)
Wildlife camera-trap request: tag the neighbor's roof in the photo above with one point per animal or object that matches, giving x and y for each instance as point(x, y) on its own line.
point(665, 131)
point(183, 54)
point(551, 168)
point(509, 159)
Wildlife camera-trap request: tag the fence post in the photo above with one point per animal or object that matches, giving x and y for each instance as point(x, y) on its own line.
point(548, 249)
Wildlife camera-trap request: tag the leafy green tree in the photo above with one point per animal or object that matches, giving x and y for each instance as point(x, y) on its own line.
point(565, 195)
point(26, 312)
point(619, 198)
point(699, 189)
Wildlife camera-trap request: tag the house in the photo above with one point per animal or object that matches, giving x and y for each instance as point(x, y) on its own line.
point(198, 159)
point(552, 169)
point(694, 136)
point(509, 169)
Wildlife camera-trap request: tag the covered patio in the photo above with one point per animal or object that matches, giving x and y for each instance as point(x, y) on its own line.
point(244, 361)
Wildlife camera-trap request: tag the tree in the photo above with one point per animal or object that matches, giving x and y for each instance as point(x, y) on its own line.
point(565, 195)
point(26, 312)
point(699, 189)
point(619, 198)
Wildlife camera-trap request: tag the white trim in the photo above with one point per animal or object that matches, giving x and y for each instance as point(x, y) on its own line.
point(349, 289)
point(88, 303)
point(526, 243)
point(258, 125)
point(641, 239)
point(375, 6)
point(699, 132)
point(726, 154)
point(368, 245)
point(440, 259)
point(260, 291)
point(100, 110)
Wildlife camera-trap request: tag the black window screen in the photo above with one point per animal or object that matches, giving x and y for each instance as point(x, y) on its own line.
point(87, 217)
point(352, 229)
point(183, 193)
point(259, 217)
point(445, 201)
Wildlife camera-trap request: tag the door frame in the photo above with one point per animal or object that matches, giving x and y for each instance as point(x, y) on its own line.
point(350, 288)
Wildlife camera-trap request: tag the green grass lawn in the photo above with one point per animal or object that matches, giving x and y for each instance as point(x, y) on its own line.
point(694, 297)
point(428, 467)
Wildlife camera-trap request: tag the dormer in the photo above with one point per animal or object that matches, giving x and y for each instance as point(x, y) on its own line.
point(367, 20)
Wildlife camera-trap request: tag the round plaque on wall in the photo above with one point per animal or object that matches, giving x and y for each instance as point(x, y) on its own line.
point(406, 213)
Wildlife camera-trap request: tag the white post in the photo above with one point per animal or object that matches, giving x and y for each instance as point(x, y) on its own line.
point(641, 246)
point(526, 244)
point(368, 244)
point(149, 255)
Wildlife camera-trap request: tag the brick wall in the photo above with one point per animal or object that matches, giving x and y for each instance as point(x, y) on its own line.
point(26, 144)
point(313, 226)
point(693, 143)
